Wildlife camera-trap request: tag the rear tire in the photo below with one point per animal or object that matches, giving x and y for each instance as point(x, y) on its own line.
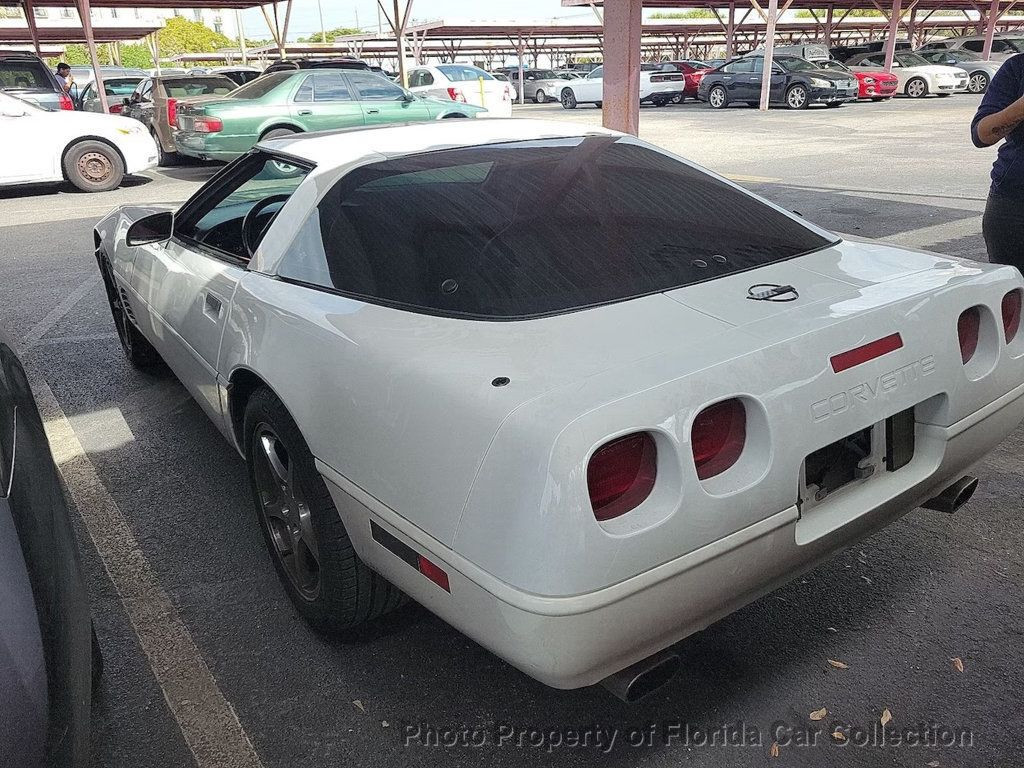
point(540, 97)
point(163, 159)
point(568, 99)
point(328, 584)
point(93, 166)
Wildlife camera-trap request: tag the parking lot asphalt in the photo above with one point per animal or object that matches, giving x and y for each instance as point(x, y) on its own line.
point(896, 610)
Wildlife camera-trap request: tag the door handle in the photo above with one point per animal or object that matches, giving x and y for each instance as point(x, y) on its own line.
point(212, 306)
point(373, 111)
point(305, 111)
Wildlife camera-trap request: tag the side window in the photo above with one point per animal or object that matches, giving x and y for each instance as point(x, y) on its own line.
point(758, 66)
point(330, 86)
point(214, 217)
point(978, 46)
point(740, 66)
point(596, 74)
point(305, 91)
point(426, 78)
point(374, 88)
point(146, 91)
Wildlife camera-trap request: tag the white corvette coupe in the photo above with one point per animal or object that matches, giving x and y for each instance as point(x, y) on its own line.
point(92, 151)
point(575, 395)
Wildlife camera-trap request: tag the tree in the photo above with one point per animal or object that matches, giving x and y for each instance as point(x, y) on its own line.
point(330, 34)
point(693, 13)
point(136, 56)
point(180, 35)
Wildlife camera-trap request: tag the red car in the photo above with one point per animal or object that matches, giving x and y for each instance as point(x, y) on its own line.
point(876, 86)
point(693, 73)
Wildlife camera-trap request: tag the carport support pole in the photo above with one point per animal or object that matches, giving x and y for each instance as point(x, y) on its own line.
point(85, 13)
point(30, 18)
point(519, 55)
point(623, 29)
point(990, 29)
point(769, 53)
point(730, 33)
point(894, 25)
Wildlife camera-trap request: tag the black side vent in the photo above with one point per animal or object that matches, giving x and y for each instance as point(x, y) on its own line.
point(899, 440)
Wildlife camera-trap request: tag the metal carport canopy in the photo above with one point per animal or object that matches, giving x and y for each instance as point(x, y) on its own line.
point(73, 35)
point(623, 24)
point(84, 7)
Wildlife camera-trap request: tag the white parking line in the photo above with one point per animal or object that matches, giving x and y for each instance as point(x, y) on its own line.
point(207, 720)
point(926, 237)
point(55, 315)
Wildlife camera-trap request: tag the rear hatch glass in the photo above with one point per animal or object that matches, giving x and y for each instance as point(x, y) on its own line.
point(526, 229)
point(24, 75)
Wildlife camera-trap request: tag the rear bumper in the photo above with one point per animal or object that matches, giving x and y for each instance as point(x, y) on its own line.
point(201, 146)
point(573, 641)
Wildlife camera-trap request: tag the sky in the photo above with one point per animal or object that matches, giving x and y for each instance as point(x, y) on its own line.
point(363, 13)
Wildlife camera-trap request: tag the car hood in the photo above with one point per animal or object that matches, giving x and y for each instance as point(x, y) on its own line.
point(829, 74)
point(878, 74)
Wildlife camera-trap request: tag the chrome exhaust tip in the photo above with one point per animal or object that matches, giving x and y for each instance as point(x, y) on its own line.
point(954, 497)
point(643, 678)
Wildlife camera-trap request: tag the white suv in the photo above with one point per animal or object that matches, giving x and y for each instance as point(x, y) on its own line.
point(1003, 46)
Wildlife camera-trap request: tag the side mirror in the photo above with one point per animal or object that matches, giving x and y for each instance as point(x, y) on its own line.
point(126, 102)
point(155, 228)
point(408, 97)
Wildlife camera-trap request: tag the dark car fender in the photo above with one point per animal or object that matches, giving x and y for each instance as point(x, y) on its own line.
point(39, 510)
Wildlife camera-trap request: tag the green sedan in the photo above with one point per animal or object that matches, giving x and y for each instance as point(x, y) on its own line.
point(298, 101)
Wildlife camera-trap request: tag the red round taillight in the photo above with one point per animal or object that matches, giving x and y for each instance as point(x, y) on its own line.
point(1011, 314)
point(718, 435)
point(967, 328)
point(621, 475)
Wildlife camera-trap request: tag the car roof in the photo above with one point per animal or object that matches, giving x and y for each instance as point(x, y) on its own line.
point(337, 148)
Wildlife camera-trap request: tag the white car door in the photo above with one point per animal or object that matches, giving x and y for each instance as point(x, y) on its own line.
point(26, 143)
point(188, 282)
point(591, 87)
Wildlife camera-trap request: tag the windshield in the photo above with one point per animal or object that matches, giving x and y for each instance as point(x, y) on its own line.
point(911, 60)
point(832, 64)
point(525, 229)
point(461, 72)
point(261, 86)
point(793, 64)
point(1016, 43)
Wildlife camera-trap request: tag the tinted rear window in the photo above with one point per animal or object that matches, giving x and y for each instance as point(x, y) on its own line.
point(534, 228)
point(181, 88)
point(24, 74)
point(261, 86)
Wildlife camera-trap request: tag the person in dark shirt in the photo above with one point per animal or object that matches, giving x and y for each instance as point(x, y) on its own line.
point(1001, 116)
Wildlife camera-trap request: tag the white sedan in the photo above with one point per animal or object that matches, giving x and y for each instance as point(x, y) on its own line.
point(575, 395)
point(464, 83)
point(92, 151)
point(917, 77)
point(656, 87)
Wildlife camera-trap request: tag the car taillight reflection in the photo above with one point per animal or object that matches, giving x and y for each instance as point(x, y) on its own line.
point(1011, 314)
point(621, 475)
point(967, 328)
point(718, 435)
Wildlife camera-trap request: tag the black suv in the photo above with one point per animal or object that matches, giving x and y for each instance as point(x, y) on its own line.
point(288, 65)
point(26, 76)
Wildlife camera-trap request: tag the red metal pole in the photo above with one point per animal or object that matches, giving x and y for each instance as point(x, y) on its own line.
point(894, 25)
point(990, 29)
point(769, 53)
point(30, 18)
point(84, 12)
point(623, 28)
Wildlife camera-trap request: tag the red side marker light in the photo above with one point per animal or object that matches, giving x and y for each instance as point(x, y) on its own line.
point(434, 573)
point(862, 354)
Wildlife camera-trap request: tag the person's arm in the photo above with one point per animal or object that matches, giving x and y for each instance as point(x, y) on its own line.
point(1002, 110)
point(995, 128)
